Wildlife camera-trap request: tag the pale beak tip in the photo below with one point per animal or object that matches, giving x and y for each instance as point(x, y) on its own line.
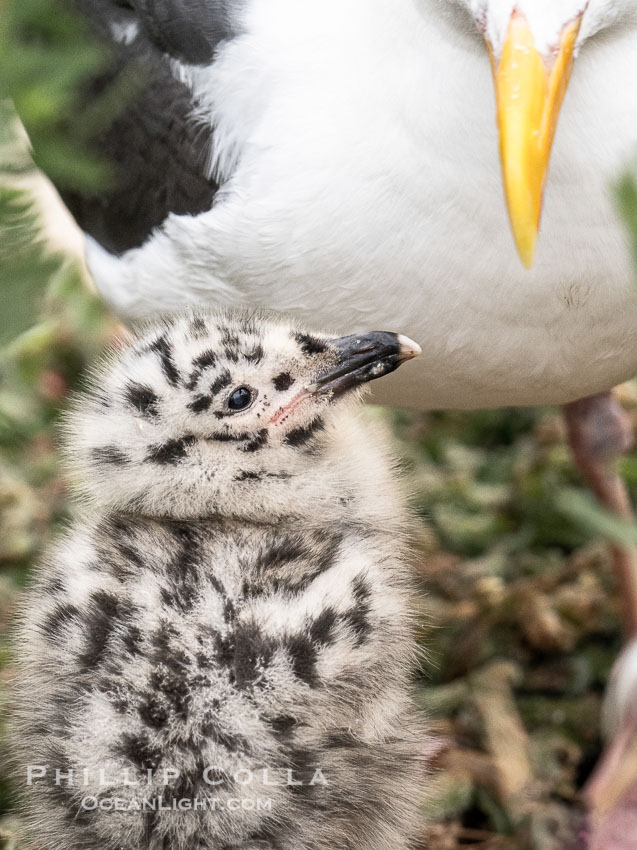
point(407, 348)
point(526, 250)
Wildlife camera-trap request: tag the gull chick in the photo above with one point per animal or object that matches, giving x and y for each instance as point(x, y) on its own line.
point(217, 655)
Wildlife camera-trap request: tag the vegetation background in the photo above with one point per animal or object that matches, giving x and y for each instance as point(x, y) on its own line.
point(520, 613)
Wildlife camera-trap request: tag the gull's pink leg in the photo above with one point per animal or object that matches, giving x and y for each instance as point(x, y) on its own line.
point(599, 432)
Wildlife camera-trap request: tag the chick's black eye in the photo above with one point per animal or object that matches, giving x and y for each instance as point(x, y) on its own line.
point(240, 399)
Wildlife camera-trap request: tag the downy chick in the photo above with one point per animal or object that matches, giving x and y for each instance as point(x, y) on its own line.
point(217, 655)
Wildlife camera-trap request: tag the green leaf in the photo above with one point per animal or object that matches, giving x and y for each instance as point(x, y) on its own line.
point(627, 198)
point(25, 264)
point(583, 509)
point(48, 56)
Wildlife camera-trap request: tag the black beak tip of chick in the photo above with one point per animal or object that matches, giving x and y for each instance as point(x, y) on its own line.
point(362, 358)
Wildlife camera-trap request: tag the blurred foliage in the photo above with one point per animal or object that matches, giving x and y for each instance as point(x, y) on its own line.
point(36, 375)
point(47, 54)
point(26, 267)
point(51, 327)
point(627, 198)
point(520, 624)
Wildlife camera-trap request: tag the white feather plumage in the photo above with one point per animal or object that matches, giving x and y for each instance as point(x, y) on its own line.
point(359, 144)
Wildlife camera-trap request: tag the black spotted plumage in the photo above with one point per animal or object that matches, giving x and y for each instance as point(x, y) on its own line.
point(258, 441)
point(304, 434)
point(163, 348)
point(140, 750)
point(109, 455)
point(283, 382)
point(172, 451)
point(200, 404)
point(142, 399)
point(221, 610)
point(54, 623)
point(310, 344)
point(202, 362)
point(220, 383)
point(103, 611)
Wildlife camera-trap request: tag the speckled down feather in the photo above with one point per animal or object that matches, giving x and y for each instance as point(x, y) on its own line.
point(227, 621)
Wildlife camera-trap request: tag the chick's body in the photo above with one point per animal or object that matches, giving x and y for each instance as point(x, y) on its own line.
point(227, 622)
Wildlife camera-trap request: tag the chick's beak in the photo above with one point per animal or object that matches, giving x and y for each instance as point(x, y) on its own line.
point(529, 90)
point(357, 359)
point(362, 358)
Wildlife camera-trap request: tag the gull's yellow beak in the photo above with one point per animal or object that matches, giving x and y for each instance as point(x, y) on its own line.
point(529, 90)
